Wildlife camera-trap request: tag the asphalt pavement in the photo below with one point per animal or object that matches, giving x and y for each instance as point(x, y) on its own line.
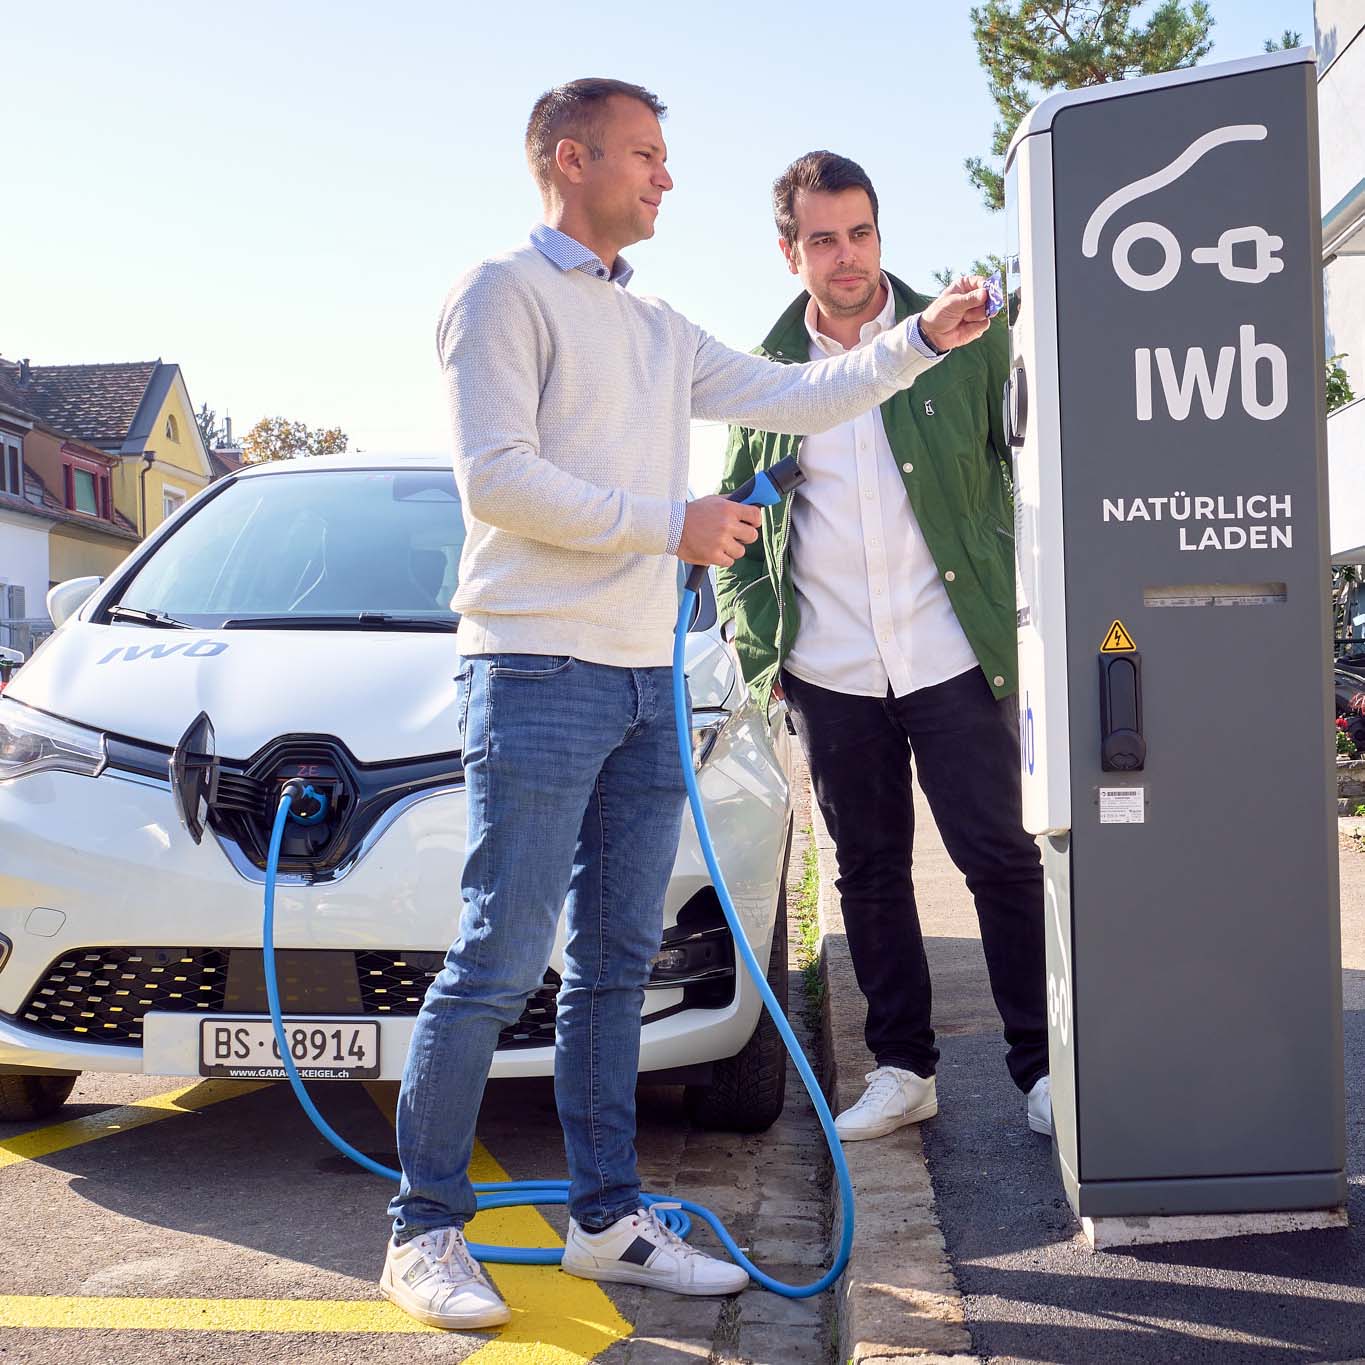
point(165, 1220)
point(1032, 1290)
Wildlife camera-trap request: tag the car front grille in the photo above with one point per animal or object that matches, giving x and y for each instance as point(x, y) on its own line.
point(101, 994)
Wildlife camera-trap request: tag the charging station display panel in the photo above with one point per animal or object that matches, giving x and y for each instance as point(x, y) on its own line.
point(1190, 358)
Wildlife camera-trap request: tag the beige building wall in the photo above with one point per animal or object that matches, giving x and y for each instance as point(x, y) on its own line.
point(76, 551)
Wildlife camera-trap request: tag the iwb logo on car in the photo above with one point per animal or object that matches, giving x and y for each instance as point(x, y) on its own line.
point(201, 649)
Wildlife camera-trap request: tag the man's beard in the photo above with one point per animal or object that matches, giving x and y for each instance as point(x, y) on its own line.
point(834, 309)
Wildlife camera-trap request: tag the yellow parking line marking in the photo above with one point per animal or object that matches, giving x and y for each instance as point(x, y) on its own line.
point(57, 1137)
point(557, 1319)
point(205, 1315)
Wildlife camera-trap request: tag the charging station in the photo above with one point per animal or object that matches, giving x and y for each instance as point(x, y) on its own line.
point(1166, 410)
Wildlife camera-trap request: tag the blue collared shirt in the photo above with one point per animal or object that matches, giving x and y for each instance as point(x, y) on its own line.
point(569, 254)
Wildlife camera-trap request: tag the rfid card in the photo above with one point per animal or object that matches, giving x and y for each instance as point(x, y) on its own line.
point(995, 294)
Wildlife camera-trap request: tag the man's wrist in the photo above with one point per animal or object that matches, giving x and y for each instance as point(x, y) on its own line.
point(921, 342)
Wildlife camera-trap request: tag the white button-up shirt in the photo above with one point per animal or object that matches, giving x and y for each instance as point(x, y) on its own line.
point(874, 613)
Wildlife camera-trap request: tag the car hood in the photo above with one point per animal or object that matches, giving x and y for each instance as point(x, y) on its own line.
point(386, 695)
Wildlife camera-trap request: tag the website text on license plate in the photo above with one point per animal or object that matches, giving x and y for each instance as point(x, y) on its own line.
point(322, 1049)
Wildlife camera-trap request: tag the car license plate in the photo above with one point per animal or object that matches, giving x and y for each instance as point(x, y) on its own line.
point(322, 1049)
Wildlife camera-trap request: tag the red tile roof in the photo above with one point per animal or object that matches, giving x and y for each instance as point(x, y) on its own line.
point(92, 402)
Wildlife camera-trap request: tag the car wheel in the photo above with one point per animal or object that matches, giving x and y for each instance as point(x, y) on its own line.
point(33, 1097)
point(747, 1090)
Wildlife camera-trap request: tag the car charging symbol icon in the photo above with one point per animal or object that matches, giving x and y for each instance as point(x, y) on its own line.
point(1264, 244)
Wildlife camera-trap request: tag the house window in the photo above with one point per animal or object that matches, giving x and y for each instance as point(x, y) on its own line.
point(85, 495)
point(172, 428)
point(172, 499)
point(11, 469)
point(85, 488)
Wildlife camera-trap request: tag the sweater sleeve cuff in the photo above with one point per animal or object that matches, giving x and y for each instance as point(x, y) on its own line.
point(676, 515)
point(921, 343)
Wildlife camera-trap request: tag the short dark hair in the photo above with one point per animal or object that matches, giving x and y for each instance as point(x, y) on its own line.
point(823, 171)
point(576, 110)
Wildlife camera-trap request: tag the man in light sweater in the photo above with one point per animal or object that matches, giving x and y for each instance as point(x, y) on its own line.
point(881, 601)
point(570, 402)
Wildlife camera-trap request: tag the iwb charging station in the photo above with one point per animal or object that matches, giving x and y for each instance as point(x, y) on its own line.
point(1166, 410)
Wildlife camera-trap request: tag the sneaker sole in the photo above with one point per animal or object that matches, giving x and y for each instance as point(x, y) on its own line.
point(450, 1322)
point(925, 1111)
point(638, 1275)
point(1038, 1126)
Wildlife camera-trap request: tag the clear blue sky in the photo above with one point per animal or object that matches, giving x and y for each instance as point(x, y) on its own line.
point(277, 195)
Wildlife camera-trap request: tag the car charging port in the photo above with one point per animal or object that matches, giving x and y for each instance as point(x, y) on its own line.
point(315, 802)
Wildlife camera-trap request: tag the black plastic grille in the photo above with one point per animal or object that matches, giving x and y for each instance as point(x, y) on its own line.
point(395, 983)
point(101, 994)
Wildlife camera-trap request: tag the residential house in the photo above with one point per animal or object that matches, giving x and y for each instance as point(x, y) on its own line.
point(138, 412)
point(57, 517)
point(226, 456)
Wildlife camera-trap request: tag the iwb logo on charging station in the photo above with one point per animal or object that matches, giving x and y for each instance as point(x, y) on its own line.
point(1187, 258)
point(1181, 380)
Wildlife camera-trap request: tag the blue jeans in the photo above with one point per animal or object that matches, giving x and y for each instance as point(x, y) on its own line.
point(575, 796)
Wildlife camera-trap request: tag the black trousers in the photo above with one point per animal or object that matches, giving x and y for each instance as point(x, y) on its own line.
point(967, 746)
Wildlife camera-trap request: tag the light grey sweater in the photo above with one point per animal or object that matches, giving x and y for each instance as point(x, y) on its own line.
point(570, 402)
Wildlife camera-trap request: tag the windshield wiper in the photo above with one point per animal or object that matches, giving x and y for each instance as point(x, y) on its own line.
point(362, 620)
point(147, 618)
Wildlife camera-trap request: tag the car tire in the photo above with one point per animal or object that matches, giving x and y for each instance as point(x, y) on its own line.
point(747, 1091)
point(33, 1097)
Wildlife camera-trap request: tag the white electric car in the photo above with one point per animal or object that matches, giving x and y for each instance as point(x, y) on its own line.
point(291, 620)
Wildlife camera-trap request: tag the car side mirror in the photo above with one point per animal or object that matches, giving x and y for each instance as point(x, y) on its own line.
point(66, 599)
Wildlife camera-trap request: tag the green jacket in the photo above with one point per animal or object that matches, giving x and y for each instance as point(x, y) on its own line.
point(946, 433)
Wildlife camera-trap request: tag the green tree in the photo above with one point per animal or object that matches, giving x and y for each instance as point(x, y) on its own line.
point(988, 266)
point(1032, 47)
point(1339, 391)
point(277, 438)
point(207, 422)
point(1286, 40)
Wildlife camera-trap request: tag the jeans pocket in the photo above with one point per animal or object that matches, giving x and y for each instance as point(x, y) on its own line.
point(529, 665)
point(463, 689)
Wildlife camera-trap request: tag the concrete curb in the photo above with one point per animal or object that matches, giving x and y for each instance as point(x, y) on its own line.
point(898, 1298)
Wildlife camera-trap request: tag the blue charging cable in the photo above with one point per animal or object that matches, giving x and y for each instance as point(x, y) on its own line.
point(762, 490)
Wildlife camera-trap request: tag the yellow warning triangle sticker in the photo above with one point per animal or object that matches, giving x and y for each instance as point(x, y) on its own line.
point(1118, 641)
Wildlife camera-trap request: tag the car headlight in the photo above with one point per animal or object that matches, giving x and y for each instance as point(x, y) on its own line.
point(706, 728)
point(33, 742)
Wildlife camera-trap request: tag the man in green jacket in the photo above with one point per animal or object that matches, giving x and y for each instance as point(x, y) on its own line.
point(879, 603)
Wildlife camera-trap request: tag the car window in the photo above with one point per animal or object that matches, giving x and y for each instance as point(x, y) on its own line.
point(310, 543)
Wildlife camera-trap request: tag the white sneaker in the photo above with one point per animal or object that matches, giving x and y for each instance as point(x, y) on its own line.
point(639, 1249)
point(892, 1099)
point(1040, 1106)
point(436, 1280)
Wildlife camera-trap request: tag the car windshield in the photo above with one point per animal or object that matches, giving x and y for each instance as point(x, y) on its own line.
point(311, 544)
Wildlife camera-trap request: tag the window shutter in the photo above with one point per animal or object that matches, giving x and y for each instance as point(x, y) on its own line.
point(16, 602)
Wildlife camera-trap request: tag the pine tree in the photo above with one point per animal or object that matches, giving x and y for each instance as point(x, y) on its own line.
point(1032, 47)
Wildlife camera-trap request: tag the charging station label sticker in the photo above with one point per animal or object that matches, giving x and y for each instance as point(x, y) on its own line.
point(1117, 641)
point(1122, 806)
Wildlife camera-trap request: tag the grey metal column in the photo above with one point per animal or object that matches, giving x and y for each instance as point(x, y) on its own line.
point(1173, 374)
